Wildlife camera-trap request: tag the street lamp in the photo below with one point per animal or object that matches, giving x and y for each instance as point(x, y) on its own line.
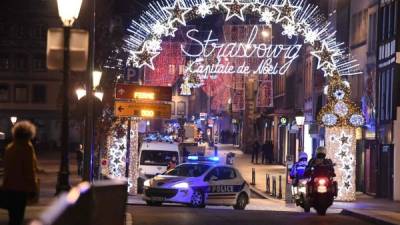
point(300, 122)
point(68, 11)
point(13, 119)
point(92, 85)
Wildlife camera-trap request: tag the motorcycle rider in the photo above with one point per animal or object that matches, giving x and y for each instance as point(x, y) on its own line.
point(298, 170)
point(320, 165)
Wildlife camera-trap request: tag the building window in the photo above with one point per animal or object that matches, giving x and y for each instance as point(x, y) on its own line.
point(39, 62)
point(21, 62)
point(39, 93)
point(21, 93)
point(21, 31)
point(4, 93)
point(4, 62)
point(181, 108)
point(359, 27)
point(39, 31)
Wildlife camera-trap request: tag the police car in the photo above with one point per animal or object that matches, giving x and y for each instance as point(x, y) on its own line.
point(199, 183)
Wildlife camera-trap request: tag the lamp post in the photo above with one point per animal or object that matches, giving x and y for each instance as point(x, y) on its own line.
point(300, 122)
point(68, 11)
point(13, 119)
point(89, 148)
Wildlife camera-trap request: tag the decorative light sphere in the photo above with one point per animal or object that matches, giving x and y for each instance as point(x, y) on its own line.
point(329, 119)
point(357, 120)
point(341, 109)
point(339, 94)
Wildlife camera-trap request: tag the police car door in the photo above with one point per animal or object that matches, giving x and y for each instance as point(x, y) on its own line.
point(222, 181)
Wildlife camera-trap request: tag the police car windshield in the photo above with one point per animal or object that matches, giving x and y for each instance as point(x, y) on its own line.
point(157, 157)
point(188, 170)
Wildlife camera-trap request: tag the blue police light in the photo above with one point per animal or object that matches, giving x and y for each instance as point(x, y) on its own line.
point(193, 157)
point(214, 158)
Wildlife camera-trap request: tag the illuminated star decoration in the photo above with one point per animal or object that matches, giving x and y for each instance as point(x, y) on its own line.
point(328, 70)
point(204, 9)
point(325, 56)
point(256, 6)
point(234, 9)
point(144, 58)
point(177, 13)
point(267, 16)
point(170, 30)
point(286, 11)
point(289, 30)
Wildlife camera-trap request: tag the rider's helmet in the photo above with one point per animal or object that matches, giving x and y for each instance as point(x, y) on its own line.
point(321, 152)
point(303, 156)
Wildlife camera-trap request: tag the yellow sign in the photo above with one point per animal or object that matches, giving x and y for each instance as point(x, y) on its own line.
point(147, 113)
point(144, 95)
point(135, 109)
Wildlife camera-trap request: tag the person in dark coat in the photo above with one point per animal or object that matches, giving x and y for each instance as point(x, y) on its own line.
point(20, 183)
point(270, 152)
point(264, 152)
point(254, 155)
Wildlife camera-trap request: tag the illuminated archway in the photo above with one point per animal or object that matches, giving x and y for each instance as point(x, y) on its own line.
point(297, 18)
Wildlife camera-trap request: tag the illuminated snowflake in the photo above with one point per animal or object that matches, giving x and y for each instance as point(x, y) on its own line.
point(289, 30)
point(329, 119)
point(267, 16)
point(204, 9)
point(339, 94)
point(357, 120)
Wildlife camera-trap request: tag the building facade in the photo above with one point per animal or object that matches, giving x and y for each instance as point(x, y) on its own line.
point(388, 98)
point(27, 89)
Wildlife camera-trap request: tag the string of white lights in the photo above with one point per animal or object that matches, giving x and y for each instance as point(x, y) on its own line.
point(298, 18)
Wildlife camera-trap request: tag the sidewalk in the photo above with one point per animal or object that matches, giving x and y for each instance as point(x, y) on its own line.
point(49, 162)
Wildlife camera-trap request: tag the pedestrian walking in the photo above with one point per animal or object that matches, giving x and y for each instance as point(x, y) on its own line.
point(254, 155)
point(270, 152)
point(79, 159)
point(264, 153)
point(20, 183)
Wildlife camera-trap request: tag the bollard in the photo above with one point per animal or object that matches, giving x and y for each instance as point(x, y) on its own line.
point(253, 176)
point(280, 187)
point(273, 194)
point(267, 184)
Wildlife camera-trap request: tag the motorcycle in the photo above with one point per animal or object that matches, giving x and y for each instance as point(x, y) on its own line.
point(321, 191)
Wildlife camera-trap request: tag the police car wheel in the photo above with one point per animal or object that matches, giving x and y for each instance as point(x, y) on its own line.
point(241, 202)
point(151, 203)
point(197, 200)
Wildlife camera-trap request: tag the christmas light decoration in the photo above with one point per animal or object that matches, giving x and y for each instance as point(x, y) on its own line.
point(234, 9)
point(204, 9)
point(286, 11)
point(297, 18)
point(289, 30)
point(267, 17)
point(340, 144)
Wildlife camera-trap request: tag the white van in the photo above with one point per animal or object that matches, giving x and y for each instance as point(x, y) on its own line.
point(155, 156)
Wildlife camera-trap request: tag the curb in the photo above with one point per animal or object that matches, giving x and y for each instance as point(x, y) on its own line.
point(366, 217)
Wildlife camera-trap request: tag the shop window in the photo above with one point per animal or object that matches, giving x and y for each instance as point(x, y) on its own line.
point(21, 93)
point(39, 93)
point(4, 93)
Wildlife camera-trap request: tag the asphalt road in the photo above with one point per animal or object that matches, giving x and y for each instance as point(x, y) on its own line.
point(177, 215)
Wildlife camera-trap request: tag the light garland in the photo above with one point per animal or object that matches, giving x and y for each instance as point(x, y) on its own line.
point(297, 18)
point(340, 145)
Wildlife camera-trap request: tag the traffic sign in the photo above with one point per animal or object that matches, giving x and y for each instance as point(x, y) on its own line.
point(138, 92)
point(145, 110)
